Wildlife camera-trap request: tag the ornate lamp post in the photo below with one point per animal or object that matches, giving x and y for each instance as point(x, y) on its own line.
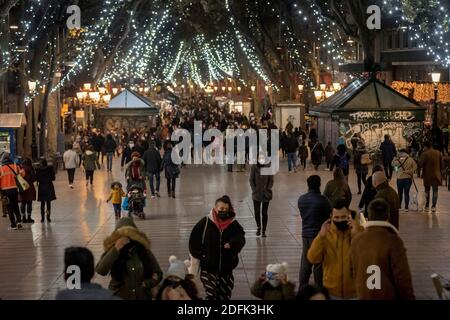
point(34, 147)
point(436, 77)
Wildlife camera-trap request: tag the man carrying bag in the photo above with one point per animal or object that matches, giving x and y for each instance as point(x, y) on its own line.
point(9, 182)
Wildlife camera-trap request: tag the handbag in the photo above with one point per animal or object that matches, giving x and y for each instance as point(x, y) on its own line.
point(22, 184)
point(419, 198)
point(365, 159)
point(194, 267)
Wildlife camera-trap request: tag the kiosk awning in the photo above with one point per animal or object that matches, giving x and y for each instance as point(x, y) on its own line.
point(12, 120)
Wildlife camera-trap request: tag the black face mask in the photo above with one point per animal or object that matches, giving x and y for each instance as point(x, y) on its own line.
point(223, 215)
point(341, 225)
point(173, 283)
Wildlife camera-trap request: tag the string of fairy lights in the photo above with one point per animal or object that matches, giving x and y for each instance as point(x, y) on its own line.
point(154, 54)
point(92, 39)
point(431, 34)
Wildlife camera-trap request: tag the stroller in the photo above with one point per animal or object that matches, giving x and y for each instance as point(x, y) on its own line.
point(136, 201)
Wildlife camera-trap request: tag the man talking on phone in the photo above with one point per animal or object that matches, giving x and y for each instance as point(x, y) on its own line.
point(331, 248)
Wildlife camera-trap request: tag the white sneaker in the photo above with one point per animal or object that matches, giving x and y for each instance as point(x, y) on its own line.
point(71, 186)
point(153, 197)
point(433, 209)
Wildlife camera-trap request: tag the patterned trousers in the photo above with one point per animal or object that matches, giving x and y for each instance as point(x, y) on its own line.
point(217, 287)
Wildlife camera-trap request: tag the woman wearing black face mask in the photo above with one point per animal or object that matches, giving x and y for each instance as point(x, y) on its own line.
point(331, 248)
point(216, 241)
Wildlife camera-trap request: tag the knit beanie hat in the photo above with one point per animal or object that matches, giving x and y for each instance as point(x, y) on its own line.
point(177, 268)
point(277, 268)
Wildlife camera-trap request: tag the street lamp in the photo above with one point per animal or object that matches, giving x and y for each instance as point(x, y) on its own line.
point(436, 78)
point(34, 148)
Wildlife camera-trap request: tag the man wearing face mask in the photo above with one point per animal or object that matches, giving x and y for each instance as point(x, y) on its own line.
point(216, 241)
point(331, 248)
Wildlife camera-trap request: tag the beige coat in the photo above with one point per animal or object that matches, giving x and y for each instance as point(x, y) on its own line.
point(406, 165)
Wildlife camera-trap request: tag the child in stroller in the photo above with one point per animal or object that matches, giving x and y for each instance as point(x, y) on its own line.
point(136, 201)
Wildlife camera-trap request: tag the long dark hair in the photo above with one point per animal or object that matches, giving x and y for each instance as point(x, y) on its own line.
point(187, 284)
point(119, 268)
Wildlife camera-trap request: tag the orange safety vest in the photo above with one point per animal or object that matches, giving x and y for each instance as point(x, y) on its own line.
point(7, 177)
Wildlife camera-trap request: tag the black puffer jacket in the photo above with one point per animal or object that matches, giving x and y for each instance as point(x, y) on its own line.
point(214, 258)
point(314, 209)
point(152, 159)
point(110, 146)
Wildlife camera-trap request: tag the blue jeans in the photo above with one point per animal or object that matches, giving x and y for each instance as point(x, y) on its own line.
point(117, 209)
point(435, 195)
point(109, 159)
point(158, 182)
point(403, 187)
point(292, 157)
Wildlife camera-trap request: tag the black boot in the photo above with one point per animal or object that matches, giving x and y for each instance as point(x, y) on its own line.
point(258, 232)
point(42, 217)
point(48, 217)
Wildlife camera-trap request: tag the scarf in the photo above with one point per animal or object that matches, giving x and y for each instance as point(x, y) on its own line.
point(135, 170)
point(222, 225)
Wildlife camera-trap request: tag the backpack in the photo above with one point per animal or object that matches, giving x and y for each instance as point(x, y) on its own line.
point(344, 162)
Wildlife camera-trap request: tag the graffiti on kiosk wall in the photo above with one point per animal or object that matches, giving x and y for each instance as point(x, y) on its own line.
point(373, 133)
point(382, 116)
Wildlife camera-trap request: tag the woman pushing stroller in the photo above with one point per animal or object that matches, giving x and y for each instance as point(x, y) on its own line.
point(136, 187)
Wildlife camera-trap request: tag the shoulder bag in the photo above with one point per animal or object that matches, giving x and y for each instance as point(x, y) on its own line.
point(22, 184)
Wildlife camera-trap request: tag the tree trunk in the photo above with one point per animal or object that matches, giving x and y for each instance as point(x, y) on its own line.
point(48, 89)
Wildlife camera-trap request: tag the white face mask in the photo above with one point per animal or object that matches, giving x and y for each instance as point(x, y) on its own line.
point(274, 283)
point(131, 145)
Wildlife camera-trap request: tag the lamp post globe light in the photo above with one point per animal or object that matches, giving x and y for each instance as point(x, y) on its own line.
point(34, 147)
point(436, 78)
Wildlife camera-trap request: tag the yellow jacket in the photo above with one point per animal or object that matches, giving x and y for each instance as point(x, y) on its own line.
point(333, 251)
point(116, 196)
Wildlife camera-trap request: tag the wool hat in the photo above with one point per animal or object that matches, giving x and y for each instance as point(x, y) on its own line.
point(277, 268)
point(378, 178)
point(177, 268)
